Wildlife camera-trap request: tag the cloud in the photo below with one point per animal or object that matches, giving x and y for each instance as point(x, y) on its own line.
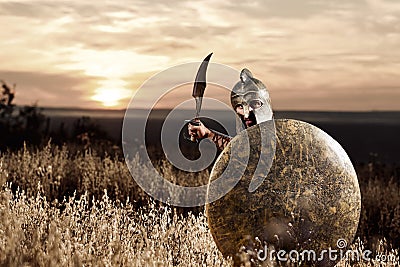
point(63, 89)
point(318, 45)
point(25, 9)
point(347, 98)
point(112, 64)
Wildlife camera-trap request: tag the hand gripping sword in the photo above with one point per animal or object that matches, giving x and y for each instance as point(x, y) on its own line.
point(198, 90)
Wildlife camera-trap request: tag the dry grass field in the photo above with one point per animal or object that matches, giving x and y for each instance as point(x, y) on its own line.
point(63, 208)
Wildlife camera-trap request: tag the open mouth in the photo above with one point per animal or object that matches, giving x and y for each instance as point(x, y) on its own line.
point(248, 122)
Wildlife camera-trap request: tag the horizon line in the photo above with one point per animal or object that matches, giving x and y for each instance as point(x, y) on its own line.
point(168, 109)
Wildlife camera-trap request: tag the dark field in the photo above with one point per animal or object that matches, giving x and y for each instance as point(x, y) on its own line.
point(362, 134)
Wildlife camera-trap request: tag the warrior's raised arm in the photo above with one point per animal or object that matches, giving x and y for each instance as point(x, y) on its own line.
point(200, 132)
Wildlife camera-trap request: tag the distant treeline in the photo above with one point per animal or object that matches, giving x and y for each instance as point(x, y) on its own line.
point(28, 125)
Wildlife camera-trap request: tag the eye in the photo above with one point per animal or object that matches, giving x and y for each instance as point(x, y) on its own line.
point(239, 106)
point(254, 104)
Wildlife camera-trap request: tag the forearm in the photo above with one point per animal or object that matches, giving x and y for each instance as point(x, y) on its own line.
point(220, 140)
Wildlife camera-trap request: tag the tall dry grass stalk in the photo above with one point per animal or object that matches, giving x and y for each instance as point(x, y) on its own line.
point(89, 232)
point(63, 209)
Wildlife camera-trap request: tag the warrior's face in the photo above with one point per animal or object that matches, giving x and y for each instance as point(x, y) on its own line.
point(245, 109)
point(250, 99)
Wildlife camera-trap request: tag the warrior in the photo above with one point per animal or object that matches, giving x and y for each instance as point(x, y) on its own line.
point(306, 170)
point(251, 102)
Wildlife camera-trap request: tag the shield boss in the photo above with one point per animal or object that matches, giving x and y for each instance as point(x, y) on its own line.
point(309, 199)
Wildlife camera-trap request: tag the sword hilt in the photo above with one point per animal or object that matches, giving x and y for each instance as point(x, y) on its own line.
point(194, 123)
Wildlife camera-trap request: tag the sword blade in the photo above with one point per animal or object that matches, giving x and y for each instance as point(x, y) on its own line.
point(200, 84)
point(199, 100)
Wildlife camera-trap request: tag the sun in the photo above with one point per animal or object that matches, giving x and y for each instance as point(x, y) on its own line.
point(111, 93)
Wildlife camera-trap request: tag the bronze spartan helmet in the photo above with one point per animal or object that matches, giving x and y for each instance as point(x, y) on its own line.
point(252, 94)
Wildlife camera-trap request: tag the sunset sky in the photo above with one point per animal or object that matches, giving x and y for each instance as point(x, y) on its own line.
point(311, 54)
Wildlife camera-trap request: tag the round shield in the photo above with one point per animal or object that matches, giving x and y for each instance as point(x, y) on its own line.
point(307, 200)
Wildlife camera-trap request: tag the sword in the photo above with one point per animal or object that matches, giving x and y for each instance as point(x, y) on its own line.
point(198, 90)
